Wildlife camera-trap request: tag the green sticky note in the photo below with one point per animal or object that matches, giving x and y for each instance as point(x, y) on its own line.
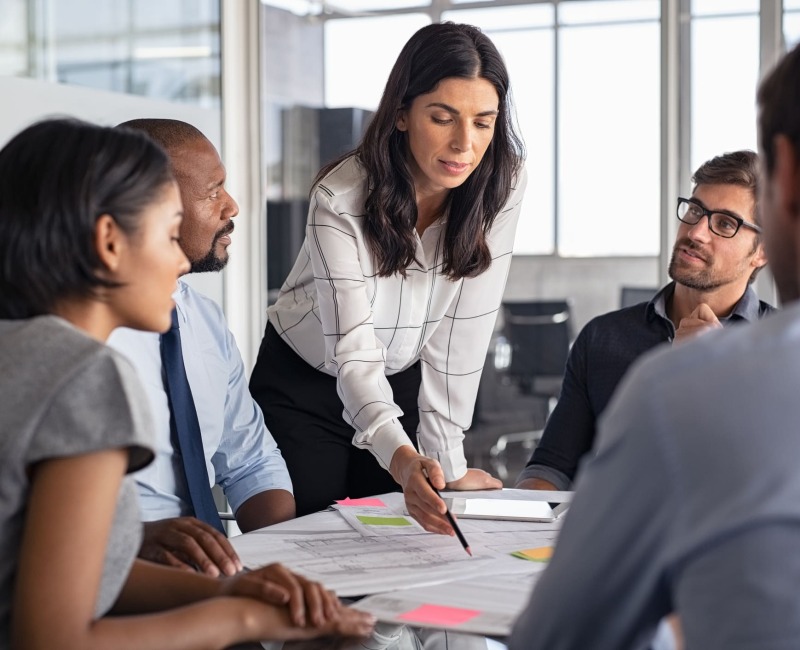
point(383, 521)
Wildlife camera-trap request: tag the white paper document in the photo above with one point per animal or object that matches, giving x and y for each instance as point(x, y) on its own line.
point(353, 565)
point(485, 605)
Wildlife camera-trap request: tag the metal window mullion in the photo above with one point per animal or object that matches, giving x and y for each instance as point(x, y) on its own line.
point(771, 34)
point(557, 139)
point(244, 290)
point(771, 46)
point(670, 124)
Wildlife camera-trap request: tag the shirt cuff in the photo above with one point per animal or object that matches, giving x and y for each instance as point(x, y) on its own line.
point(386, 440)
point(453, 462)
point(545, 473)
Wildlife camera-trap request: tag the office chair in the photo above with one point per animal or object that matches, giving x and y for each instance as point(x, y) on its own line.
point(538, 334)
point(630, 296)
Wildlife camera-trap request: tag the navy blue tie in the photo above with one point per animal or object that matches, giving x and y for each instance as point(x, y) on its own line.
point(185, 427)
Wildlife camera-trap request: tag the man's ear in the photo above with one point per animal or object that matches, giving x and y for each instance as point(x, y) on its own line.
point(109, 243)
point(785, 178)
point(760, 257)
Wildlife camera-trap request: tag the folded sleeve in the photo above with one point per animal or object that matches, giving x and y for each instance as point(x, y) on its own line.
point(454, 356)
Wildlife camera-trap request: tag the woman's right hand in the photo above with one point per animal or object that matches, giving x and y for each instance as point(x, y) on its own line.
point(412, 471)
point(308, 602)
point(263, 621)
point(292, 607)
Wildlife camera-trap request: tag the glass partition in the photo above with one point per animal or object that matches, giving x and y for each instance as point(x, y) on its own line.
point(165, 50)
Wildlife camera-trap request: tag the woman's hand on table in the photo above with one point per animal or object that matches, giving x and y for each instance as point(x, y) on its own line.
point(476, 479)
point(308, 602)
point(278, 604)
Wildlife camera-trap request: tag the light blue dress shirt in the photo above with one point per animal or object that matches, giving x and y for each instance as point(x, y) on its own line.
point(241, 454)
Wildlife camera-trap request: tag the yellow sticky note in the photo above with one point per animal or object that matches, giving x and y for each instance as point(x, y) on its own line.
point(539, 554)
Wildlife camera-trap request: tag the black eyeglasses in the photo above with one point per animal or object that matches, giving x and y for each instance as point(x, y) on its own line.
point(722, 224)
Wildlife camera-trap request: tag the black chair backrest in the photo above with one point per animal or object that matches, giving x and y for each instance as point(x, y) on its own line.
point(630, 296)
point(540, 333)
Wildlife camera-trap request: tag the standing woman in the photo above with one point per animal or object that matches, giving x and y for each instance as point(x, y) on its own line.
point(89, 222)
point(383, 324)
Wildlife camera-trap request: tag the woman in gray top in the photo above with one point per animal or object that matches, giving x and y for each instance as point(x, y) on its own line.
point(89, 220)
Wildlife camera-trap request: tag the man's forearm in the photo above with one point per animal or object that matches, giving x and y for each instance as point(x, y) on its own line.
point(264, 509)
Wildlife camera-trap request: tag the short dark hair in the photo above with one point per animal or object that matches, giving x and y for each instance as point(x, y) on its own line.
point(57, 177)
point(733, 168)
point(436, 52)
point(168, 133)
point(779, 106)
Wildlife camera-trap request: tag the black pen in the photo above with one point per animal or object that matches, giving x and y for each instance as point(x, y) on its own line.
point(450, 518)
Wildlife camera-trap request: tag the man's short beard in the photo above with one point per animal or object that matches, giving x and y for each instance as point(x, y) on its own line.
point(211, 263)
point(699, 280)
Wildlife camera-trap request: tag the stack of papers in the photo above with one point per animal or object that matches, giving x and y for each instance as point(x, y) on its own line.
point(371, 547)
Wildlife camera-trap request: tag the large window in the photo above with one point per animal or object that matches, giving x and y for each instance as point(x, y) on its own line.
point(791, 22)
point(360, 52)
point(608, 129)
point(724, 76)
point(165, 50)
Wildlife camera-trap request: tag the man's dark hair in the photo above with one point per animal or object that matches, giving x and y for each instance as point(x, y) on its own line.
point(734, 168)
point(168, 133)
point(57, 177)
point(434, 53)
point(779, 106)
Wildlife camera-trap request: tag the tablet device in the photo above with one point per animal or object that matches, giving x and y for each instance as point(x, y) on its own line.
point(505, 509)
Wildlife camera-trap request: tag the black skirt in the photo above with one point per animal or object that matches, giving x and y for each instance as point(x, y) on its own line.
point(304, 414)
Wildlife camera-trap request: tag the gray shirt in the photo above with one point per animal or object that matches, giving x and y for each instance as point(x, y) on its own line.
point(64, 394)
point(692, 504)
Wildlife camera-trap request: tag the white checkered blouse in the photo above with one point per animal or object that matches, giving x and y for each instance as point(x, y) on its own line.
point(344, 320)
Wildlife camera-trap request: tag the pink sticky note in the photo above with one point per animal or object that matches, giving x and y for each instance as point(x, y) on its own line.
point(439, 615)
point(368, 501)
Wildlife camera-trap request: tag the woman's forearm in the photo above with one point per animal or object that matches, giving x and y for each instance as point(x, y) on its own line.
point(154, 587)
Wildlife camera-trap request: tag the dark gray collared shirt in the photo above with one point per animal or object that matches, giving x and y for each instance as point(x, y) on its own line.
point(598, 360)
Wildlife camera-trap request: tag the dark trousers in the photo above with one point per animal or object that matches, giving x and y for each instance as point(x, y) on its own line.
point(304, 414)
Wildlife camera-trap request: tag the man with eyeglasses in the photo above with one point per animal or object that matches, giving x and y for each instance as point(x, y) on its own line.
point(692, 501)
point(716, 256)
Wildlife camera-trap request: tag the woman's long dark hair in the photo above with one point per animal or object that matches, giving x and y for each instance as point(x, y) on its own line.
point(436, 52)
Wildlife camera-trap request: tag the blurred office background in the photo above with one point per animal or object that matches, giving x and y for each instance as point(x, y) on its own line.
point(617, 100)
